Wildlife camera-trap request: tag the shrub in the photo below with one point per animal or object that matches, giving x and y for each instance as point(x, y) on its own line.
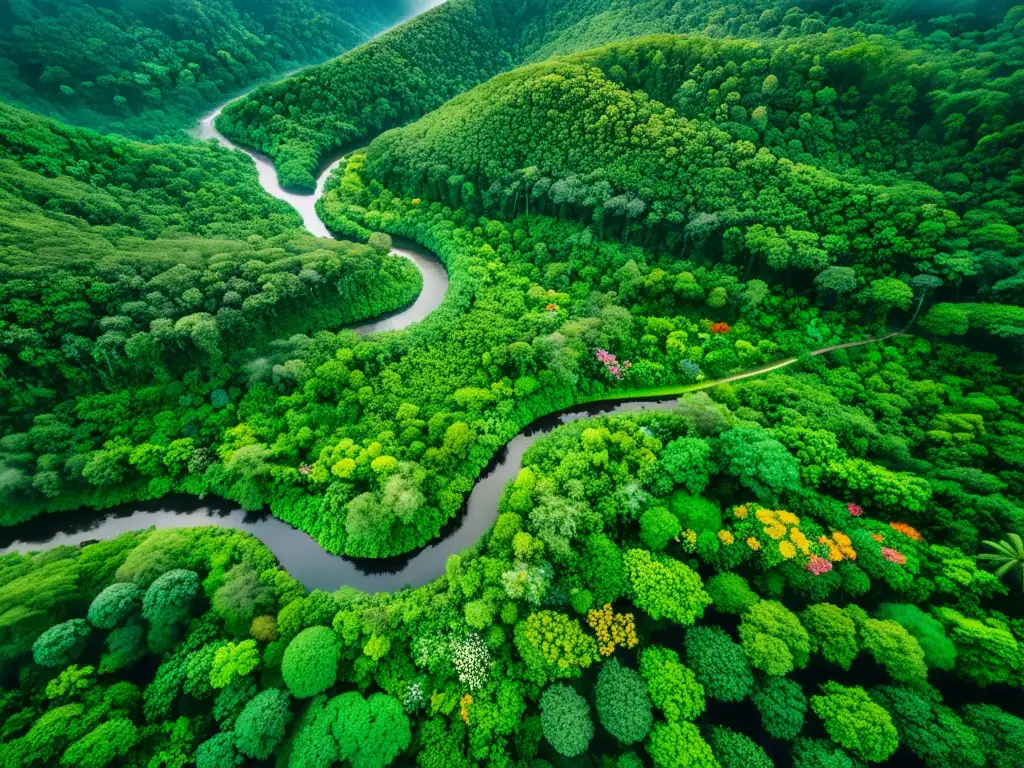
point(735, 750)
point(674, 744)
point(658, 527)
point(855, 722)
point(986, 655)
point(310, 664)
point(623, 706)
point(696, 513)
point(719, 664)
point(554, 646)
point(686, 461)
point(219, 752)
point(672, 686)
point(100, 747)
point(1000, 734)
point(114, 604)
point(730, 593)
point(774, 639)
point(832, 633)
point(61, 644)
point(931, 731)
point(820, 753)
point(665, 588)
point(895, 649)
point(260, 727)
point(565, 718)
point(939, 651)
point(783, 707)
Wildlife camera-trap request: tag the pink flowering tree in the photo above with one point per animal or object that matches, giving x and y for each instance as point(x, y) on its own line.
point(611, 364)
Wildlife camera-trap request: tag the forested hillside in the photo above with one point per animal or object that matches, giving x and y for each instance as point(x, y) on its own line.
point(144, 68)
point(765, 155)
point(422, 64)
point(138, 279)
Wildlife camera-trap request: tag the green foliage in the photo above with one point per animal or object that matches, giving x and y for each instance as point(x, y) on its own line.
point(673, 687)
point(783, 707)
point(773, 638)
point(931, 731)
point(565, 717)
point(168, 602)
point(61, 643)
point(760, 463)
point(233, 661)
point(686, 461)
point(832, 633)
point(114, 604)
point(735, 750)
point(896, 649)
point(814, 753)
point(939, 650)
point(986, 653)
point(658, 527)
point(103, 745)
point(679, 743)
point(1007, 555)
point(665, 588)
point(730, 593)
point(368, 733)
point(219, 751)
point(554, 645)
point(697, 513)
point(623, 706)
point(148, 69)
point(855, 722)
point(998, 732)
point(260, 727)
point(719, 664)
point(310, 664)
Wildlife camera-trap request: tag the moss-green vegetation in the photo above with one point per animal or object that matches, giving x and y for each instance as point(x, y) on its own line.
point(146, 68)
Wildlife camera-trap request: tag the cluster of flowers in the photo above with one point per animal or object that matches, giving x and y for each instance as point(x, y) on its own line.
point(551, 307)
point(612, 629)
point(742, 513)
point(839, 547)
point(909, 531)
point(819, 565)
point(784, 527)
point(894, 556)
point(413, 698)
point(854, 510)
point(720, 328)
point(464, 704)
point(472, 661)
point(612, 365)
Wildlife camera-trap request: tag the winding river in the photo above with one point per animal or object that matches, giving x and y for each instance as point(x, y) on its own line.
point(297, 552)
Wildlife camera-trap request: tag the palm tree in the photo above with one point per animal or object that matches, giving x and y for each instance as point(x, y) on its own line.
point(1008, 553)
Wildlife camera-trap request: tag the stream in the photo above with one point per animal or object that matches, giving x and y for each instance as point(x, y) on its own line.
point(298, 552)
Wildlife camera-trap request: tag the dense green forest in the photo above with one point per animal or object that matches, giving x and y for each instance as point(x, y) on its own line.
point(146, 68)
point(420, 65)
point(815, 566)
point(150, 280)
